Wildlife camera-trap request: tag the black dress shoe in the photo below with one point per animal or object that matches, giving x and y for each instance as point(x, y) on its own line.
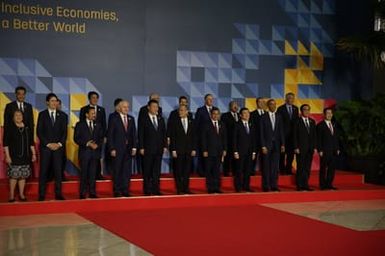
point(93, 196)
point(126, 194)
point(23, 199)
point(300, 189)
point(333, 188)
point(276, 190)
point(100, 177)
point(12, 200)
point(41, 198)
point(249, 190)
point(265, 190)
point(309, 189)
point(59, 197)
point(218, 191)
point(116, 194)
point(82, 197)
point(158, 194)
point(188, 192)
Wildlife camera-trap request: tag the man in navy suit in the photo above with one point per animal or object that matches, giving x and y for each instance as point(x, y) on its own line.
point(328, 149)
point(245, 150)
point(272, 140)
point(152, 145)
point(121, 138)
point(202, 117)
point(89, 136)
point(24, 107)
point(305, 143)
point(213, 150)
point(52, 133)
point(255, 118)
point(183, 148)
point(93, 98)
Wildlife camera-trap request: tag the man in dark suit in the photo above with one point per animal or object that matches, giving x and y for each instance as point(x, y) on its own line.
point(183, 148)
point(229, 120)
point(174, 115)
point(245, 151)
point(305, 142)
point(93, 98)
point(52, 133)
point(328, 145)
point(272, 140)
point(89, 136)
point(290, 114)
point(152, 145)
point(255, 118)
point(19, 104)
point(144, 109)
point(213, 145)
point(121, 140)
point(202, 117)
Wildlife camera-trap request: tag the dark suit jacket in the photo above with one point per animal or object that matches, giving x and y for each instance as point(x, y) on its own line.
point(244, 143)
point(83, 135)
point(229, 122)
point(268, 135)
point(255, 119)
point(27, 114)
point(305, 140)
point(143, 112)
point(326, 141)
point(181, 142)
point(211, 141)
point(100, 116)
point(117, 137)
point(52, 134)
point(150, 139)
point(202, 116)
point(174, 116)
point(288, 124)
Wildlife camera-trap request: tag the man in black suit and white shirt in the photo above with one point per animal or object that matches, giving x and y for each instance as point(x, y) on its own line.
point(255, 118)
point(290, 114)
point(272, 144)
point(121, 141)
point(305, 143)
point(213, 150)
point(152, 145)
point(183, 147)
point(328, 145)
point(52, 133)
point(245, 150)
point(230, 119)
point(89, 136)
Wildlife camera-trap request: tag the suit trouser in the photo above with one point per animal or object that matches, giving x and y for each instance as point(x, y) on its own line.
point(151, 173)
point(304, 160)
point(229, 164)
point(327, 169)
point(122, 171)
point(182, 165)
point(286, 159)
point(88, 174)
point(212, 168)
point(243, 172)
point(271, 168)
point(53, 159)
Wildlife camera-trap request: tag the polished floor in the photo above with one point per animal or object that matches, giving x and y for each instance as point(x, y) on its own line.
point(60, 234)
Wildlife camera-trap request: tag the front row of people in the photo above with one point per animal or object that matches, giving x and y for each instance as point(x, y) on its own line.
point(183, 138)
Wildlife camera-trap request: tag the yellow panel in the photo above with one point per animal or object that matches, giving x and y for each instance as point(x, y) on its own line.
point(291, 76)
point(78, 101)
point(72, 148)
point(291, 88)
point(314, 51)
point(317, 62)
point(250, 103)
point(317, 105)
point(73, 120)
point(302, 49)
point(306, 76)
point(289, 50)
point(4, 100)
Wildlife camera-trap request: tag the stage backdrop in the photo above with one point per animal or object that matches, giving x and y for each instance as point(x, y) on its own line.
point(234, 49)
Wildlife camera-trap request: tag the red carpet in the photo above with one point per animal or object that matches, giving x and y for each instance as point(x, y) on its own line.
point(235, 230)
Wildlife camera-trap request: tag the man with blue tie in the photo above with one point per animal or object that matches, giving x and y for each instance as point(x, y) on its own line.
point(52, 133)
point(121, 140)
point(244, 145)
point(214, 142)
point(272, 144)
point(152, 144)
point(89, 136)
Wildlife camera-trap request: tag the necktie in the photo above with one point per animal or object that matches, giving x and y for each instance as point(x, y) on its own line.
point(273, 120)
point(53, 118)
point(154, 123)
point(125, 122)
point(96, 110)
point(247, 127)
point(290, 111)
point(216, 127)
point(235, 117)
point(91, 126)
point(307, 125)
point(184, 125)
point(21, 107)
point(331, 128)
point(260, 111)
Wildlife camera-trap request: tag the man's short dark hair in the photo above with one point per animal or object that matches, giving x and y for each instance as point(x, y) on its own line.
point(117, 101)
point(270, 100)
point(182, 98)
point(258, 99)
point(214, 109)
point(289, 94)
point(304, 105)
point(91, 93)
point(207, 95)
point(50, 96)
point(243, 109)
point(152, 101)
point(20, 88)
point(326, 109)
point(88, 109)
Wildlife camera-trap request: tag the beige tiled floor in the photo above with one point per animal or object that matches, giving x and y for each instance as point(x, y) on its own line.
point(60, 234)
point(361, 215)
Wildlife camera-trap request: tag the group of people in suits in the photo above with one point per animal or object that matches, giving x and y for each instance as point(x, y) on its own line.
point(235, 142)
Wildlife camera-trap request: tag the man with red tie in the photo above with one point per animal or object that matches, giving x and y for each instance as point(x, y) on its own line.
point(328, 149)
